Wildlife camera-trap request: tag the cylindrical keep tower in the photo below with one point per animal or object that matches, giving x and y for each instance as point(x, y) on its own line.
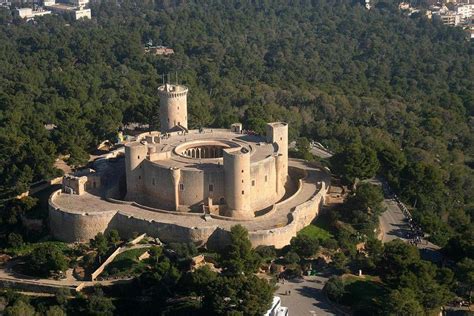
point(173, 107)
point(135, 153)
point(237, 182)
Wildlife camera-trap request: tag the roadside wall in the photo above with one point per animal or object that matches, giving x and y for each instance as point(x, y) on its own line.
point(36, 287)
point(100, 269)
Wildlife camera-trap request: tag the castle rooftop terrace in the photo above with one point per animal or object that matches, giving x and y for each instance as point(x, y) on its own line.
point(168, 152)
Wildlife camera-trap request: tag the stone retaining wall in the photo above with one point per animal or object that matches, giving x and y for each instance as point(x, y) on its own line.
point(301, 216)
point(149, 208)
point(72, 227)
point(128, 226)
point(36, 287)
point(100, 269)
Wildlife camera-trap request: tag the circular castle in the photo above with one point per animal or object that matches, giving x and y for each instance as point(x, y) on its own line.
point(185, 185)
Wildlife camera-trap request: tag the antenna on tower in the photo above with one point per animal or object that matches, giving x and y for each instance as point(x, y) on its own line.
point(162, 78)
point(169, 77)
point(177, 78)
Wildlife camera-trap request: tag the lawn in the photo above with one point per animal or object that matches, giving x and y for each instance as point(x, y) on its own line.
point(126, 263)
point(317, 232)
point(320, 229)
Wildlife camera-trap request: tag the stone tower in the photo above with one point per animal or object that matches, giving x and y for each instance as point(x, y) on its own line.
point(173, 107)
point(277, 133)
point(237, 182)
point(134, 156)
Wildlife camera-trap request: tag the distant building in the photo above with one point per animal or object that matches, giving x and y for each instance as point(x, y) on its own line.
point(429, 14)
point(460, 15)
point(470, 30)
point(30, 14)
point(446, 16)
point(466, 11)
point(5, 3)
point(80, 3)
point(82, 14)
point(159, 50)
point(50, 126)
point(75, 7)
point(449, 18)
point(404, 6)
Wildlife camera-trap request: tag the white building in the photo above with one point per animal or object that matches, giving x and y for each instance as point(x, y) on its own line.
point(447, 16)
point(460, 15)
point(82, 14)
point(5, 3)
point(80, 3)
point(470, 32)
point(466, 11)
point(450, 18)
point(75, 7)
point(29, 13)
point(404, 6)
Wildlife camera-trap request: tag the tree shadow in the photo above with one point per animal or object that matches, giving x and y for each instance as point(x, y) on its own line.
point(317, 294)
point(431, 255)
point(402, 231)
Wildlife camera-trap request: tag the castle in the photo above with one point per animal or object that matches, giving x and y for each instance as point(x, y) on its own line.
point(192, 185)
point(230, 173)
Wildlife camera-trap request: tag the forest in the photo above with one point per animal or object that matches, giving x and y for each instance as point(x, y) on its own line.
point(373, 86)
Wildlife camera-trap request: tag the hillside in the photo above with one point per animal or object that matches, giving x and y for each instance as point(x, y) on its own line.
point(337, 73)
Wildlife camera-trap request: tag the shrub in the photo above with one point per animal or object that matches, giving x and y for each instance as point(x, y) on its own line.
point(335, 288)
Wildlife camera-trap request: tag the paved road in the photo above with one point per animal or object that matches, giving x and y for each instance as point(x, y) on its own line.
point(306, 298)
point(315, 150)
point(321, 153)
point(394, 224)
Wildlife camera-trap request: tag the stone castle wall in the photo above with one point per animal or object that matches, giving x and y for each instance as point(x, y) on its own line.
point(264, 185)
point(152, 184)
point(301, 217)
point(71, 227)
point(135, 154)
point(128, 226)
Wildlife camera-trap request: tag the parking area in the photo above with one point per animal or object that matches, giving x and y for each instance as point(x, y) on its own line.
point(305, 296)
